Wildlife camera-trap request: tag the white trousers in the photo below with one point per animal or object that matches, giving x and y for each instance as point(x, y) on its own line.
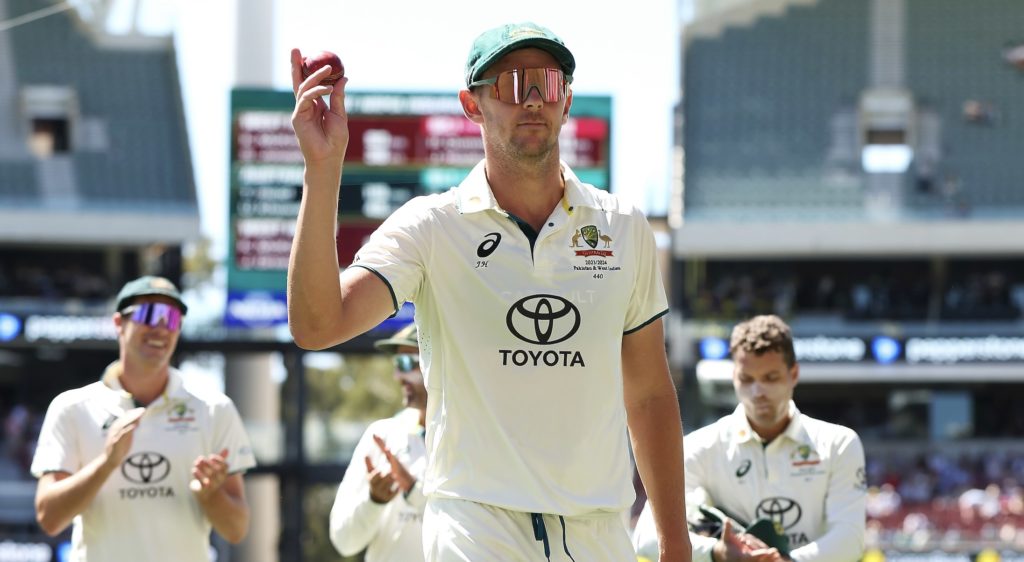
point(464, 531)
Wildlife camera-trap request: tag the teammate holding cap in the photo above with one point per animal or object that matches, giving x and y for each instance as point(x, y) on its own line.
point(538, 302)
point(800, 479)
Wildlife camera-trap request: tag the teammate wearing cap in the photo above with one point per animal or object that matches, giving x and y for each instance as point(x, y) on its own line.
point(539, 303)
point(142, 464)
point(767, 461)
point(379, 506)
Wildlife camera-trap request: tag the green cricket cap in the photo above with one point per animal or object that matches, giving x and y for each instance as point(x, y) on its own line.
point(406, 336)
point(770, 534)
point(149, 285)
point(495, 43)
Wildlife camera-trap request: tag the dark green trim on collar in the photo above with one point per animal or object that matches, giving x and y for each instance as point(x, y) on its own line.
point(528, 230)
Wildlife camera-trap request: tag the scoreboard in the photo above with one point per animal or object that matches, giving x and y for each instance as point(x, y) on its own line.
point(401, 145)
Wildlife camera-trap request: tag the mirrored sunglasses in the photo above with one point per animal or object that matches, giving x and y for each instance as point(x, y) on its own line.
point(153, 314)
point(514, 86)
point(406, 362)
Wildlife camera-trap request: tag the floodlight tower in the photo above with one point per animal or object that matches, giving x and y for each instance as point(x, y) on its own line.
point(248, 375)
point(254, 43)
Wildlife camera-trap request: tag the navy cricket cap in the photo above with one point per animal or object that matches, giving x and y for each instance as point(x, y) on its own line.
point(495, 43)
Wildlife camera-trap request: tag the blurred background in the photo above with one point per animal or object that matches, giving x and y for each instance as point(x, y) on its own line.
point(855, 166)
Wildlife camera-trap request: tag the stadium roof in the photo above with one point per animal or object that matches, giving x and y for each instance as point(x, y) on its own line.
point(93, 141)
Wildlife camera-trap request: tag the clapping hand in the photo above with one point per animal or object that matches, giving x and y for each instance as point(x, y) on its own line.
point(208, 474)
point(385, 486)
point(120, 436)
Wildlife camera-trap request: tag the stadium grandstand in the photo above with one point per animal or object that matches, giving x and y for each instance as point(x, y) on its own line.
point(96, 188)
point(854, 166)
point(851, 165)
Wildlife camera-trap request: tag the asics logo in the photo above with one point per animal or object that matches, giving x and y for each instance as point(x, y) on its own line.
point(489, 244)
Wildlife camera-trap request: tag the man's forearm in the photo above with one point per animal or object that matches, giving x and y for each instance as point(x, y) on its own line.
point(355, 521)
point(657, 438)
point(58, 501)
point(313, 263)
point(840, 543)
point(229, 515)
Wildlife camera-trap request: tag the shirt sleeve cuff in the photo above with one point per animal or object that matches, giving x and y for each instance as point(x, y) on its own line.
point(702, 547)
point(414, 496)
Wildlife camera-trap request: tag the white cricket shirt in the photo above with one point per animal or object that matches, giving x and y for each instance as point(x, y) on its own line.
point(809, 481)
point(145, 510)
point(393, 531)
point(521, 346)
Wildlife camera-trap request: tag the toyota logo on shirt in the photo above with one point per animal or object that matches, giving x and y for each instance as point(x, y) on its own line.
point(783, 512)
point(543, 319)
point(146, 468)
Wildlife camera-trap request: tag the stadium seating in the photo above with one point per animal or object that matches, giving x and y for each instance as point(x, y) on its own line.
point(759, 109)
point(137, 156)
point(981, 155)
point(18, 184)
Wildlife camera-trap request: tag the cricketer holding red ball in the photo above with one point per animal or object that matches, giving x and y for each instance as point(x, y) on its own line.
point(538, 302)
point(312, 63)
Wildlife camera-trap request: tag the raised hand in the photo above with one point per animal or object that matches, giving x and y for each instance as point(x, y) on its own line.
point(120, 436)
point(399, 473)
point(321, 129)
point(208, 474)
point(383, 487)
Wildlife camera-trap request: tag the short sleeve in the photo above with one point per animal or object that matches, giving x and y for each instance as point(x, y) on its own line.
point(57, 449)
point(397, 250)
point(229, 433)
point(648, 300)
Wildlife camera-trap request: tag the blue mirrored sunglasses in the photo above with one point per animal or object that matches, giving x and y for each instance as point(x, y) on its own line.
point(153, 314)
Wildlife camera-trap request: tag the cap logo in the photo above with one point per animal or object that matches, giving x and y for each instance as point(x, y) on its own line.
point(525, 32)
point(161, 283)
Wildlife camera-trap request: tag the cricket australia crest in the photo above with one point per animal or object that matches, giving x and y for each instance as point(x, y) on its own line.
point(592, 237)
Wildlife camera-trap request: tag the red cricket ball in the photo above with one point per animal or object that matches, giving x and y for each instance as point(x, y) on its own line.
point(315, 62)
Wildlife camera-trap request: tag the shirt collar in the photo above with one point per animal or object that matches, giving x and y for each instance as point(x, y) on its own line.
point(739, 426)
point(796, 430)
point(409, 418)
point(741, 431)
point(474, 193)
point(112, 379)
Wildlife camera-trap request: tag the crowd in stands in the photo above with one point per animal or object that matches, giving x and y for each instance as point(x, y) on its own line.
point(53, 282)
point(876, 290)
point(945, 500)
point(79, 276)
point(986, 293)
point(18, 442)
point(858, 291)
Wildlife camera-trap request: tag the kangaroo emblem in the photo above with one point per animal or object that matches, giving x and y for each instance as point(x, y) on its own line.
point(575, 240)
